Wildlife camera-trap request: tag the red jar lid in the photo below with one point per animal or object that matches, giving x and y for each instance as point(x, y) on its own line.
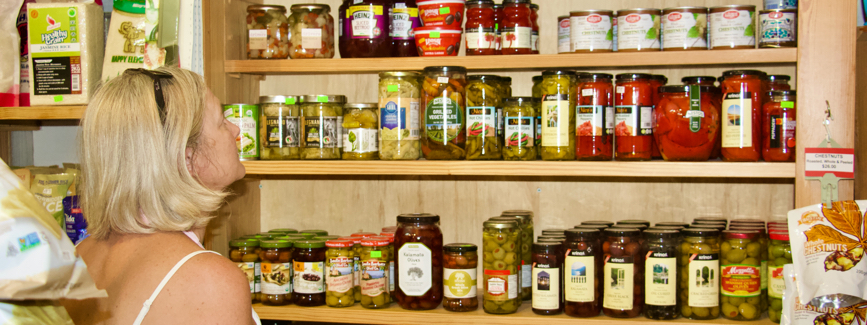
point(339, 243)
point(740, 234)
point(780, 236)
point(387, 234)
point(375, 242)
point(364, 234)
point(354, 240)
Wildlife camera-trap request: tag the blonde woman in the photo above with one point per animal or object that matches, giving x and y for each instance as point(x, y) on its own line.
point(156, 156)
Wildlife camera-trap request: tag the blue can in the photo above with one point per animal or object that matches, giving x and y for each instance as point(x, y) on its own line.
point(781, 4)
point(76, 226)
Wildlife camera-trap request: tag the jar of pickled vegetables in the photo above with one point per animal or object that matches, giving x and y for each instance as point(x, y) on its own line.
point(276, 272)
point(623, 295)
point(356, 270)
point(558, 115)
point(594, 117)
point(366, 24)
point(502, 266)
point(517, 27)
point(480, 28)
point(778, 132)
point(633, 117)
point(309, 264)
point(444, 118)
point(374, 273)
point(460, 262)
point(283, 231)
point(399, 97)
point(322, 122)
point(699, 80)
point(278, 127)
point(686, 123)
point(244, 252)
point(660, 251)
point(267, 32)
point(339, 273)
point(779, 254)
point(698, 272)
point(519, 130)
point(779, 83)
point(360, 132)
point(483, 99)
point(583, 265)
point(312, 32)
point(740, 275)
point(742, 115)
point(547, 278)
point(419, 276)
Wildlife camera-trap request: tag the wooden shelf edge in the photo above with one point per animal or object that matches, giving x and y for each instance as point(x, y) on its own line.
point(73, 112)
point(518, 62)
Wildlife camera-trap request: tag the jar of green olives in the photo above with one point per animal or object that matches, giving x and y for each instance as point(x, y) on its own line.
point(623, 292)
point(460, 262)
point(547, 278)
point(308, 260)
point(740, 275)
point(339, 275)
point(356, 271)
point(764, 241)
point(484, 96)
point(279, 127)
point(502, 242)
point(558, 115)
point(374, 273)
point(660, 277)
point(519, 130)
point(390, 236)
point(779, 254)
point(276, 268)
point(360, 132)
point(698, 272)
point(322, 126)
point(244, 252)
point(525, 217)
point(399, 100)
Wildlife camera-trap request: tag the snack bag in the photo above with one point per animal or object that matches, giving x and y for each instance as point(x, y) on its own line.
point(834, 309)
point(50, 191)
point(76, 226)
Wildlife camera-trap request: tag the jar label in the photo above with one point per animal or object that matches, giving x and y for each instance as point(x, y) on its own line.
point(594, 120)
point(564, 43)
point(694, 114)
point(481, 121)
point(416, 271)
point(403, 20)
point(591, 33)
point(704, 280)
point(481, 39)
point(633, 120)
point(500, 285)
point(619, 281)
point(777, 284)
point(516, 37)
point(360, 140)
point(339, 274)
point(443, 119)
point(737, 117)
point(281, 132)
point(782, 128)
point(538, 131)
point(366, 21)
point(638, 32)
point(320, 132)
point(741, 280)
point(391, 276)
point(555, 129)
point(254, 275)
point(393, 119)
point(546, 288)
point(311, 38)
point(534, 40)
point(309, 277)
point(459, 283)
point(276, 278)
point(258, 39)
point(660, 279)
point(684, 30)
point(520, 131)
point(374, 279)
point(580, 277)
point(526, 276)
point(732, 28)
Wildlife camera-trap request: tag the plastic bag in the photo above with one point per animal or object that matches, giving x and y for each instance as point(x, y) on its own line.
point(33, 314)
point(10, 56)
point(837, 309)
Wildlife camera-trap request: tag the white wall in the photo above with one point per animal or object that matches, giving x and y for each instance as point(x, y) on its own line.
point(55, 145)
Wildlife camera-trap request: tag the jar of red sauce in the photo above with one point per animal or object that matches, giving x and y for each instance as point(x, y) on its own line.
point(594, 117)
point(778, 130)
point(480, 28)
point(517, 27)
point(687, 123)
point(742, 115)
point(403, 16)
point(633, 111)
point(499, 13)
point(779, 82)
point(699, 80)
point(366, 25)
point(656, 81)
point(534, 33)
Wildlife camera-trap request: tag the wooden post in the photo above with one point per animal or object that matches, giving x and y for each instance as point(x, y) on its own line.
point(861, 116)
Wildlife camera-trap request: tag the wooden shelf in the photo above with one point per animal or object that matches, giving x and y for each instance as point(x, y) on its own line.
point(713, 169)
point(518, 62)
point(42, 112)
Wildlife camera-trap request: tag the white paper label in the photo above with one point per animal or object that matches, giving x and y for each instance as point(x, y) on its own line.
point(311, 38)
point(415, 269)
point(546, 288)
point(821, 161)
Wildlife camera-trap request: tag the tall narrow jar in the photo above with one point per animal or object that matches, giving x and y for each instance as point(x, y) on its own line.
point(558, 115)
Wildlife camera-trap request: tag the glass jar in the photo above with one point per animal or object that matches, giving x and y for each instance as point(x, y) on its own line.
point(443, 119)
point(374, 273)
point(360, 131)
point(283, 231)
point(534, 32)
point(640, 227)
point(594, 117)
point(698, 271)
point(244, 253)
point(778, 132)
point(309, 264)
point(779, 82)
point(656, 81)
point(419, 244)
point(276, 272)
point(519, 119)
point(699, 80)
point(598, 222)
point(779, 254)
point(763, 240)
point(399, 96)
point(403, 16)
point(499, 15)
point(624, 293)
point(356, 271)
point(686, 123)
point(390, 237)
point(558, 128)
point(312, 32)
point(537, 87)
point(517, 27)
point(484, 96)
point(583, 266)
point(460, 262)
point(547, 279)
point(660, 251)
point(671, 224)
point(742, 115)
point(278, 128)
point(507, 86)
point(634, 222)
point(339, 273)
point(537, 106)
point(366, 25)
point(717, 219)
point(740, 275)
point(633, 130)
point(748, 222)
point(480, 28)
point(524, 251)
point(322, 122)
point(267, 32)
point(502, 261)
point(315, 232)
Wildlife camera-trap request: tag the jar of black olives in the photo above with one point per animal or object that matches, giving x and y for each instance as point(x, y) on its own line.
point(660, 274)
point(583, 267)
point(309, 262)
point(276, 267)
point(698, 271)
point(547, 281)
point(623, 285)
point(460, 262)
point(418, 242)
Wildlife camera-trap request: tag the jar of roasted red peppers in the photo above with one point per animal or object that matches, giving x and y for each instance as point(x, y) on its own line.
point(661, 294)
point(687, 123)
point(403, 16)
point(547, 278)
point(699, 80)
point(418, 242)
point(309, 264)
point(459, 277)
point(517, 27)
point(534, 33)
point(716, 98)
point(778, 132)
point(623, 284)
point(583, 267)
point(480, 28)
point(443, 118)
point(656, 81)
point(633, 117)
point(742, 115)
point(594, 117)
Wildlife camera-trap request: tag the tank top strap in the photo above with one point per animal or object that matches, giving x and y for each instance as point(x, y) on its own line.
point(147, 304)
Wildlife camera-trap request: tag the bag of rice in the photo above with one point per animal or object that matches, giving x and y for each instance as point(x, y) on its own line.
point(50, 189)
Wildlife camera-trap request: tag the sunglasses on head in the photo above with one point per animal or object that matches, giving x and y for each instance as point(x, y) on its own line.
point(157, 76)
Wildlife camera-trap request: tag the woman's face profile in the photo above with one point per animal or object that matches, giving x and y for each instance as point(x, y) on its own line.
point(216, 163)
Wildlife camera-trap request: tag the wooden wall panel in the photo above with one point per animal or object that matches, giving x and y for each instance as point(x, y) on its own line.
point(861, 116)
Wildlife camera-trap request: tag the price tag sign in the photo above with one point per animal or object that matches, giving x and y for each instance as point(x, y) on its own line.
point(837, 161)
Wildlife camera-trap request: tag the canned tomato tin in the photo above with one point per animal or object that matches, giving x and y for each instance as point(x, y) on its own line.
point(781, 4)
point(638, 30)
point(592, 30)
point(246, 117)
point(564, 42)
point(684, 28)
point(779, 28)
point(732, 27)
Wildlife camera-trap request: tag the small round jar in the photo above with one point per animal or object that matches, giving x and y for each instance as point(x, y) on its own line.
point(698, 273)
point(686, 123)
point(367, 27)
point(399, 98)
point(360, 131)
point(742, 115)
point(623, 295)
point(339, 273)
point(779, 254)
point(245, 253)
point(305, 42)
point(779, 82)
point(356, 271)
point(374, 273)
point(502, 262)
point(481, 28)
point(279, 127)
point(633, 129)
point(547, 279)
point(418, 242)
point(276, 277)
point(660, 251)
point(267, 32)
point(309, 264)
point(517, 27)
point(484, 97)
point(594, 117)
point(321, 125)
point(778, 130)
point(558, 115)
point(443, 119)
point(519, 131)
point(460, 262)
point(699, 80)
point(592, 30)
point(740, 275)
point(779, 28)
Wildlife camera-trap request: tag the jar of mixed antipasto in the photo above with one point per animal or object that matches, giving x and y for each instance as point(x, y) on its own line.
point(399, 100)
point(742, 115)
point(312, 32)
point(740, 275)
point(778, 132)
point(633, 100)
point(547, 279)
point(267, 32)
point(698, 271)
point(558, 115)
point(418, 242)
point(360, 131)
point(277, 273)
point(460, 262)
point(444, 118)
point(279, 127)
point(661, 294)
point(519, 130)
point(623, 292)
point(686, 123)
point(309, 264)
point(583, 267)
point(594, 117)
point(322, 125)
point(374, 273)
point(484, 97)
point(339, 273)
point(501, 239)
point(244, 252)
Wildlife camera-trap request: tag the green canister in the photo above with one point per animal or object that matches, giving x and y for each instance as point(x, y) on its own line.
point(246, 117)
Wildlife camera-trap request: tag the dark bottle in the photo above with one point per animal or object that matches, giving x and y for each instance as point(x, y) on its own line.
point(365, 29)
point(404, 16)
point(547, 279)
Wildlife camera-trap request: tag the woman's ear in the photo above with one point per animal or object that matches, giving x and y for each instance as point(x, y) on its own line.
point(188, 159)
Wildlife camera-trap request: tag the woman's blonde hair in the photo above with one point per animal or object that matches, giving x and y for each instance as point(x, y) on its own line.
point(134, 165)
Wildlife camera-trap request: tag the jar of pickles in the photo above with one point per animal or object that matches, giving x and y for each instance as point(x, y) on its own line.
point(484, 96)
point(276, 268)
point(742, 115)
point(558, 115)
point(519, 130)
point(360, 130)
point(778, 132)
point(312, 32)
point(444, 118)
point(661, 292)
point(547, 278)
point(698, 272)
point(374, 273)
point(501, 240)
point(633, 117)
point(267, 32)
point(356, 270)
point(339, 273)
point(322, 122)
point(740, 275)
point(779, 254)
point(460, 262)
point(278, 127)
point(399, 97)
point(594, 117)
point(583, 266)
point(624, 290)
point(686, 123)
point(245, 253)
point(419, 276)
point(308, 259)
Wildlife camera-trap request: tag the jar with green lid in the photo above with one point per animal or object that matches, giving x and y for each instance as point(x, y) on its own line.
point(316, 232)
point(558, 115)
point(360, 131)
point(660, 251)
point(763, 259)
point(501, 240)
point(244, 252)
point(297, 236)
point(279, 127)
point(519, 117)
point(356, 272)
point(309, 264)
point(277, 273)
point(339, 273)
point(326, 238)
point(740, 275)
point(322, 126)
point(698, 273)
point(399, 100)
point(283, 231)
point(374, 273)
point(484, 96)
point(779, 254)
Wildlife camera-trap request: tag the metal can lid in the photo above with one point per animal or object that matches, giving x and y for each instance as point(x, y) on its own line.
point(453, 68)
point(360, 105)
point(501, 224)
point(399, 74)
point(484, 77)
point(622, 232)
point(460, 248)
point(338, 99)
point(310, 6)
point(317, 232)
point(625, 76)
point(275, 243)
point(598, 222)
point(279, 99)
point(266, 7)
point(699, 232)
point(672, 224)
point(418, 218)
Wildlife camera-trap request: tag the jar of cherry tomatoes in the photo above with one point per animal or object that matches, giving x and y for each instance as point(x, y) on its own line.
point(699, 80)
point(547, 279)
point(460, 262)
point(418, 242)
point(498, 25)
point(742, 115)
point(778, 132)
point(403, 16)
point(594, 117)
point(309, 264)
point(687, 123)
point(480, 28)
point(633, 117)
point(534, 33)
point(624, 290)
point(779, 82)
point(517, 27)
point(582, 292)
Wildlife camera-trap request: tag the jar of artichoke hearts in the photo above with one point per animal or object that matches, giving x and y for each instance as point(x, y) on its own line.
point(374, 273)
point(519, 117)
point(279, 127)
point(277, 273)
point(501, 240)
point(558, 115)
point(360, 131)
point(244, 252)
point(339, 275)
point(322, 126)
point(399, 98)
point(484, 96)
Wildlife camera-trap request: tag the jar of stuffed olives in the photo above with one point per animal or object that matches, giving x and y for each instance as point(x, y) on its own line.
point(624, 293)
point(399, 100)
point(527, 233)
point(444, 119)
point(244, 252)
point(356, 271)
point(276, 267)
point(309, 263)
point(322, 123)
point(502, 240)
point(519, 130)
point(484, 96)
point(660, 277)
point(740, 275)
point(779, 254)
point(460, 262)
point(547, 278)
point(278, 127)
point(558, 115)
point(360, 132)
point(763, 259)
point(418, 242)
point(339, 275)
point(374, 273)
point(390, 236)
point(698, 271)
